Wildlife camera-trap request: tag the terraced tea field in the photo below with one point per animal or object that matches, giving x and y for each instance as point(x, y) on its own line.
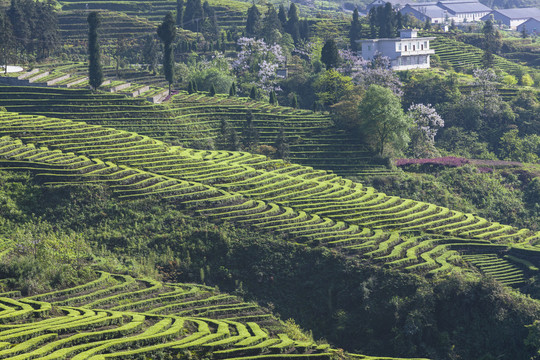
point(187, 119)
point(309, 206)
point(464, 56)
point(120, 317)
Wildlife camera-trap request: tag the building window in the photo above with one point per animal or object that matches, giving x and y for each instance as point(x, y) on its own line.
point(413, 47)
point(405, 47)
point(426, 45)
point(399, 46)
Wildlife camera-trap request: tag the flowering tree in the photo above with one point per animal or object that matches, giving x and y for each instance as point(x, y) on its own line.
point(426, 123)
point(365, 73)
point(258, 62)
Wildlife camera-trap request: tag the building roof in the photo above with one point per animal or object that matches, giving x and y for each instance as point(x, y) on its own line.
point(530, 22)
point(431, 10)
point(519, 13)
point(464, 6)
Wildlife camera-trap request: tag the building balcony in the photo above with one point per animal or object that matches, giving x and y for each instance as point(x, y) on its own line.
point(416, 52)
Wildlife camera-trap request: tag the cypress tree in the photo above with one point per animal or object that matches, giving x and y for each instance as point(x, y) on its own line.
point(95, 72)
point(232, 90)
point(294, 101)
point(190, 88)
point(193, 13)
point(250, 135)
point(354, 32)
point(212, 91)
point(180, 13)
point(7, 41)
point(281, 145)
point(253, 93)
point(293, 23)
point(273, 98)
point(329, 54)
point(282, 15)
point(253, 23)
point(167, 33)
point(195, 87)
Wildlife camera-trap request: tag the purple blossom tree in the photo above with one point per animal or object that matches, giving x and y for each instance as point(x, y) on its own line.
point(257, 62)
point(364, 72)
point(426, 123)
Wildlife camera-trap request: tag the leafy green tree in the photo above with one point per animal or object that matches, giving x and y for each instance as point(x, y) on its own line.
point(253, 22)
point(190, 88)
point(512, 147)
point(526, 80)
point(95, 72)
point(383, 121)
point(167, 33)
point(492, 43)
point(329, 54)
point(331, 86)
point(384, 21)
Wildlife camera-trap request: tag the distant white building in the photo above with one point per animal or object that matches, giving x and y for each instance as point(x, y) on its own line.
point(405, 52)
point(531, 26)
point(447, 10)
point(464, 11)
point(425, 11)
point(513, 17)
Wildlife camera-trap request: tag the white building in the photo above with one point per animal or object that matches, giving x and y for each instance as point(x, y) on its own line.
point(406, 52)
point(425, 11)
point(513, 17)
point(445, 11)
point(464, 11)
point(531, 26)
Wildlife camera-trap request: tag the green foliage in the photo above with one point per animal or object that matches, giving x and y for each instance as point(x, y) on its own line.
point(212, 91)
point(512, 147)
point(329, 54)
point(526, 80)
point(167, 33)
point(383, 122)
point(492, 43)
point(95, 72)
point(232, 89)
point(253, 22)
point(331, 86)
point(273, 98)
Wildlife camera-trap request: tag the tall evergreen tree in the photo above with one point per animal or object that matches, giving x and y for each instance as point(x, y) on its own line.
point(355, 30)
point(150, 52)
point(250, 135)
point(20, 24)
point(293, 24)
point(253, 23)
point(282, 15)
point(209, 26)
point(167, 33)
point(7, 41)
point(180, 13)
point(193, 14)
point(95, 72)
point(232, 90)
point(281, 144)
point(294, 101)
point(304, 29)
point(273, 98)
point(253, 94)
point(329, 54)
point(492, 43)
point(271, 24)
